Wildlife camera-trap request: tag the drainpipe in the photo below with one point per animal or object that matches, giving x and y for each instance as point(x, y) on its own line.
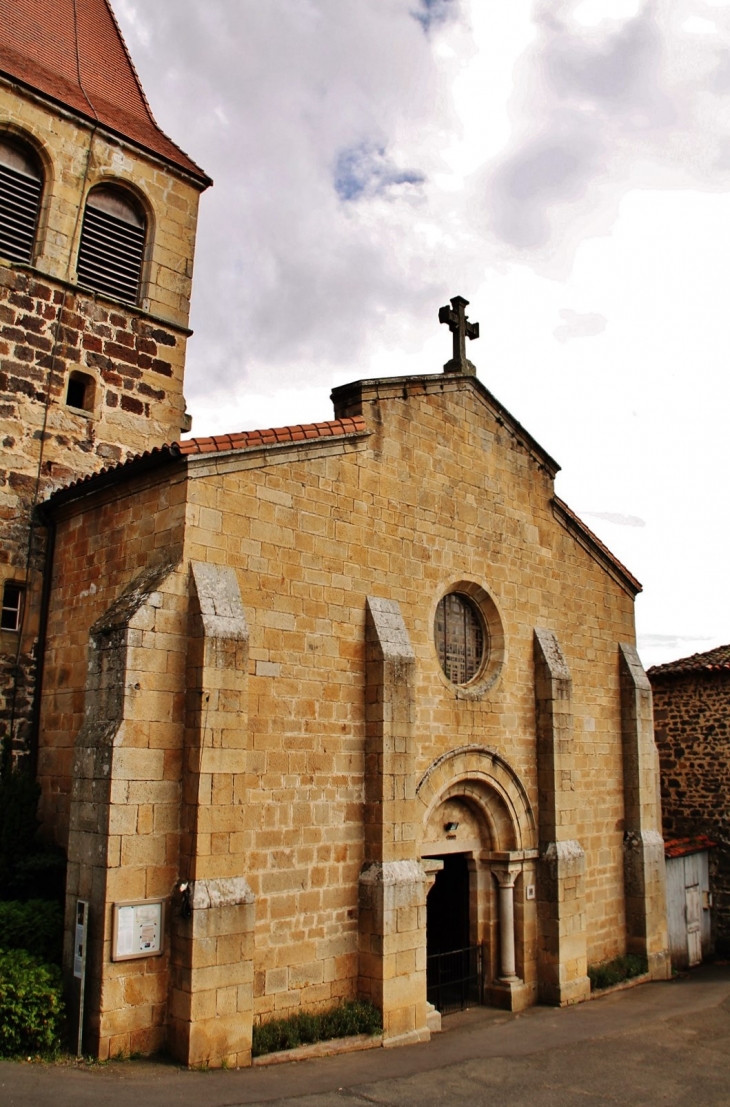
point(46, 520)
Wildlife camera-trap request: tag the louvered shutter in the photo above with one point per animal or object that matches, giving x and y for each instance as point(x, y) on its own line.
point(20, 201)
point(460, 637)
point(111, 249)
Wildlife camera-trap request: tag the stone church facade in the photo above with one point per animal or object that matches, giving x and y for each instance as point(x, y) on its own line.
point(246, 697)
point(340, 697)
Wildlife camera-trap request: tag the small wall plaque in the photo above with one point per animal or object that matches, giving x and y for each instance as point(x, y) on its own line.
point(138, 929)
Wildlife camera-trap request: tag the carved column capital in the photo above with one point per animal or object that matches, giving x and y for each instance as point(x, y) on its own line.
point(506, 875)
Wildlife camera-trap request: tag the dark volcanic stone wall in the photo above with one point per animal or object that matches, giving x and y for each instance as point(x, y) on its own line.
point(692, 728)
point(47, 331)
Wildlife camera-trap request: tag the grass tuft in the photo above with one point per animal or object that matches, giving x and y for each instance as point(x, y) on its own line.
point(616, 971)
point(303, 1028)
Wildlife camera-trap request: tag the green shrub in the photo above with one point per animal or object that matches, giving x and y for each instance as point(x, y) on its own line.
point(616, 971)
point(36, 926)
point(31, 1008)
point(302, 1028)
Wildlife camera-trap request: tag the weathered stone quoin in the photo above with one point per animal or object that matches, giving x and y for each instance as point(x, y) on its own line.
point(347, 697)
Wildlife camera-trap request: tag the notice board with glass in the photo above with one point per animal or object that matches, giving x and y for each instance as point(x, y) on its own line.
point(138, 929)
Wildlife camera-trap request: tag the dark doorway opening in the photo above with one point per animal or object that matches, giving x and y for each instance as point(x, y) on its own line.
point(453, 966)
point(447, 909)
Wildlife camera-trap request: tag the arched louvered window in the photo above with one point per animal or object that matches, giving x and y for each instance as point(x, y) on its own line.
point(112, 243)
point(21, 185)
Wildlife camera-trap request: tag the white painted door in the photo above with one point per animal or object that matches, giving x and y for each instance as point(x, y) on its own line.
point(693, 900)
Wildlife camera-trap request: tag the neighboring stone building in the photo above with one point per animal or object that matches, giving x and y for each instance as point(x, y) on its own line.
point(692, 730)
point(97, 230)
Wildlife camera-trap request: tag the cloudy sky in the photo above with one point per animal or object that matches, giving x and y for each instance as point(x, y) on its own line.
point(563, 164)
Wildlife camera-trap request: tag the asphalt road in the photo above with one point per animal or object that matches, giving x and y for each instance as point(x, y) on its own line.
point(664, 1043)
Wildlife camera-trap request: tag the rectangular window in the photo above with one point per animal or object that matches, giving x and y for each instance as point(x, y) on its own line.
point(12, 610)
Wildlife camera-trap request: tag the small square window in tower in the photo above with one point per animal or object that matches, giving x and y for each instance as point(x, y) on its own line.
point(12, 609)
point(21, 184)
point(80, 391)
point(112, 244)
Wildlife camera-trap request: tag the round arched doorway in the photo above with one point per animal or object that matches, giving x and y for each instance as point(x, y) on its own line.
point(479, 850)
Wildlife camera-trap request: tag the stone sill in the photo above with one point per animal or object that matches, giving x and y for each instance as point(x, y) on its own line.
point(645, 978)
point(322, 1049)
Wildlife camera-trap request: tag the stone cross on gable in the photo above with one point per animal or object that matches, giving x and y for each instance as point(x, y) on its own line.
point(461, 328)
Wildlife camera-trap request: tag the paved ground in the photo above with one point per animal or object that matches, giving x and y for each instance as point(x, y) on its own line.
point(665, 1044)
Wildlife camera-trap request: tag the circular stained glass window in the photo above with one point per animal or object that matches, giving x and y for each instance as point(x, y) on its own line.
point(461, 637)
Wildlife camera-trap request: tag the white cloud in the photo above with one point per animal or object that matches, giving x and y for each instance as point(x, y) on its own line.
point(696, 25)
point(579, 325)
point(617, 518)
point(592, 12)
point(601, 110)
point(527, 155)
point(321, 124)
point(655, 649)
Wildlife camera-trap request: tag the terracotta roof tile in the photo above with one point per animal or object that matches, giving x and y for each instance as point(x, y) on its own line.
point(680, 847)
point(221, 443)
point(74, 52)
point(712, 661)
point(273, 436)
point(158, 454)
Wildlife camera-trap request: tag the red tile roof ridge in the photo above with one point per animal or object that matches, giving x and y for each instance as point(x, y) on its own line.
point(273, 436)
point(576, 519)
point(155, 451)
point(143, 94)
point(224, 443)
point(711, 661)
point(133, 67)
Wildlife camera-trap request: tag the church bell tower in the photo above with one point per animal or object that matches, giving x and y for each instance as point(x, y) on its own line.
point(98, 212)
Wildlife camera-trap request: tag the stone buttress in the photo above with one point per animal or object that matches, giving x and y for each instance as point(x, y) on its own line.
point(392, 927)
point(211, 1011)
point(562, 957)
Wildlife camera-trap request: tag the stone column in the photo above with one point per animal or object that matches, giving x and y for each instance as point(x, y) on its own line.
point(211, 999)
point(644, 870)
point(506, 881)
point(562, 962)
point(392, 918)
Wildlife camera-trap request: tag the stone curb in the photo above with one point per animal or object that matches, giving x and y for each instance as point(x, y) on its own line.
point(645, 978)
point(353, 1044)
